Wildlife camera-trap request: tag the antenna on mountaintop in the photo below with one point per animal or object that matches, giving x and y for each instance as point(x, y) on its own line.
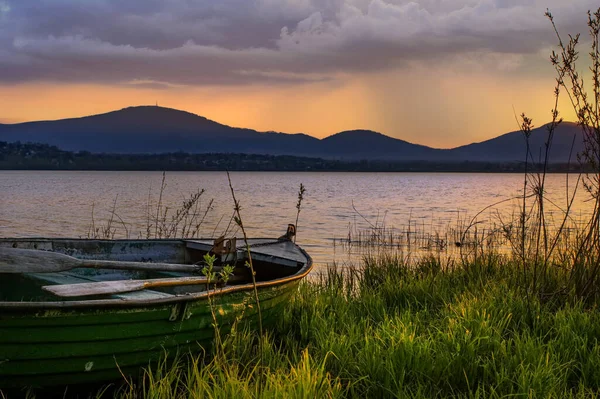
point(157, 103)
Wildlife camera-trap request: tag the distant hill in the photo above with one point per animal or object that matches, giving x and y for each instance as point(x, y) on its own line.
point(152, 129)
point(366, 144)
point(510, 147)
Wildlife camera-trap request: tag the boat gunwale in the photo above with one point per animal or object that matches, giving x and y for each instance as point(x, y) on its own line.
point(133, 303)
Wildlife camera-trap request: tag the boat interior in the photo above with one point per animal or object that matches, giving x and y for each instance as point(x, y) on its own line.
point(272, 259)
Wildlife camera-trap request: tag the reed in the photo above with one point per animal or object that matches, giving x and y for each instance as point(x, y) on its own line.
point(184, 221)
point(161, 221)
point(109, 229)
point(301, 192)
point(238, 220)
point(539, 249)
point(401, 329)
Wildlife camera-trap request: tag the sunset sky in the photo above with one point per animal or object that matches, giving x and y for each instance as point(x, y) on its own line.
point(437, 72)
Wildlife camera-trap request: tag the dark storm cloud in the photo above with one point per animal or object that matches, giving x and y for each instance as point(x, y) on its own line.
point(157, 43)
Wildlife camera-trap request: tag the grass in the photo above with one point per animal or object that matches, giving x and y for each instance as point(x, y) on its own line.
point(400, 330)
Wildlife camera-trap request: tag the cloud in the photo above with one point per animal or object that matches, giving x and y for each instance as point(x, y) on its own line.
point(232, 42)
point(4, 9)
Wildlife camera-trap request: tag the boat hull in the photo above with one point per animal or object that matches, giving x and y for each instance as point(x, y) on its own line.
point(72, 346)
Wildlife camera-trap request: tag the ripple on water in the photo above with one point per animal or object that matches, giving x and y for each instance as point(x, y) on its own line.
point(59, 203)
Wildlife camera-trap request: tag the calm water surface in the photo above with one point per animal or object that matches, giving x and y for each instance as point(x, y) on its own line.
point(59, 204)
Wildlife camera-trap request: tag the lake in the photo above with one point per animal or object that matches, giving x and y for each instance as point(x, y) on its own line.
point(336, 205)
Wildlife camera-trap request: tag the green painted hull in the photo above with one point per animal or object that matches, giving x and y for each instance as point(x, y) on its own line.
point(46, 340)
point(60, 347)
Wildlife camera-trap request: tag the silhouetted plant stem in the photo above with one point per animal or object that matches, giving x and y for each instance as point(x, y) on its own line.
point(159, 205)
point(301, 192)
point(526, 127)
point(238, 220)
point(585, 267)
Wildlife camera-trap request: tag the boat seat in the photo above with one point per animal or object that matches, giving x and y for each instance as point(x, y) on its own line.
point(283, 252)
point(70, 278)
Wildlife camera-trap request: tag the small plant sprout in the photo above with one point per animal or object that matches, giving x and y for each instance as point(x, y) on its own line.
point(208, 269)
point(225, 273)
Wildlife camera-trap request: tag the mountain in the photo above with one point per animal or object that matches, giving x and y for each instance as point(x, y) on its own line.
point(511, 147)
point(150, 129)
point(153, 129)
point(366, 144)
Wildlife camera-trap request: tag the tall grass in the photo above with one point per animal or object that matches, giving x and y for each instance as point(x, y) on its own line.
point(538, 249)
point(187, 220)
point(395, 329)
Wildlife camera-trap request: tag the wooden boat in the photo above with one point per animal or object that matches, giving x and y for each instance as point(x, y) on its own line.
point(47, 339)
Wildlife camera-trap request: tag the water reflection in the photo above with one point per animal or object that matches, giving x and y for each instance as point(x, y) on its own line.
point(336, 206)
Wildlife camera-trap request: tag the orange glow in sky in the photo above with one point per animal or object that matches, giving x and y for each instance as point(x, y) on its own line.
point(441, 110)
point(437, 73)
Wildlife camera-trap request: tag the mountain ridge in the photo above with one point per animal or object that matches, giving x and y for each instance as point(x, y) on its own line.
point(154, 129)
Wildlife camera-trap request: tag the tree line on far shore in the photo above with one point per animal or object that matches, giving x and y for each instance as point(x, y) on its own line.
point(34, 156)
